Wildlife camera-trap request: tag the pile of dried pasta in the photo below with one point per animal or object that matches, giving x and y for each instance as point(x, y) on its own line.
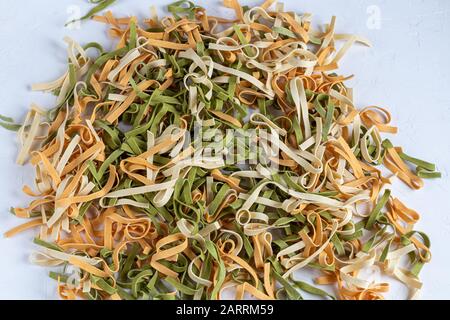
point(131, 204)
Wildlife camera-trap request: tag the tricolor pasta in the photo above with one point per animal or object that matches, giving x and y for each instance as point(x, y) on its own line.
point(206, 154)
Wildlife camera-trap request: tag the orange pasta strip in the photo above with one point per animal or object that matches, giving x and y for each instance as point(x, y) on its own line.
point(23, 227)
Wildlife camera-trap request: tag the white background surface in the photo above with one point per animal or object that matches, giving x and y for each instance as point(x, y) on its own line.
point(407, 71)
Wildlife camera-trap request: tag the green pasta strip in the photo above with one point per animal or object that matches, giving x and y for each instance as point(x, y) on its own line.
point(377, 210)
point(100, 6)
